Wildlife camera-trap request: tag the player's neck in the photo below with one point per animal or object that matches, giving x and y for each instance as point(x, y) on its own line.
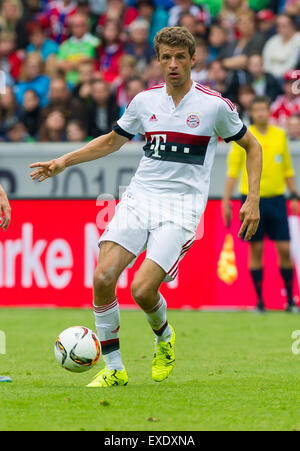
point(262, 128)
point(178, 92)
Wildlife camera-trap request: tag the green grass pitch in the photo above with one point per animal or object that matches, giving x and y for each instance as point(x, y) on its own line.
point(234, 371)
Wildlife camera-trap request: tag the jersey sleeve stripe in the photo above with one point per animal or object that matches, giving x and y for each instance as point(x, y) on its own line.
point(216, 94)
point(154, 87)
point(116, 128)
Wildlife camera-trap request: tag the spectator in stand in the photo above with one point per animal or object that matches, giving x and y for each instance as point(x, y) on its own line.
point(110, 50)
point(189, 21)
point(127, 70)
point(153, 75)
point(33, 77)
point(13, 18)
point(10, 57)
point(264, 84)
point(246, 95)
point(76, 131)
point(222, 80)
point(56, 17)
point(133, 87)
point(235, 54)
point(187, 6)
point(53, 128)
point(138, 45)
point(217, 40)
point(8, 108)
point(98, 7)
point(78, 49)
point(194, 24)
point(157, 17)
point(60, 97)
point(39, 41)
point(227, 18)
point(266, 22)
point(15, 131)
point(30, 112)
point(83, 89)
point(281, 51)
point(103, 111)
point(118, 11)
point(293, 127)
point(214, 6)
point(199, 71)
point(292, 8)
point(289, 103)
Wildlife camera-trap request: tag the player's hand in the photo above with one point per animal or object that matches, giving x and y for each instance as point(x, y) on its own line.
point(249, 215)
point(47, 169)
point(227, 212)
point(5, 212)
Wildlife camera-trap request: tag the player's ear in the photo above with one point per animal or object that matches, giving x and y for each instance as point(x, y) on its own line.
point(193, 59)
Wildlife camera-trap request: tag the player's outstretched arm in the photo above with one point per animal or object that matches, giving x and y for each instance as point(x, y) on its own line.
point(5, 211)
point(249, 213)
point(97, 148)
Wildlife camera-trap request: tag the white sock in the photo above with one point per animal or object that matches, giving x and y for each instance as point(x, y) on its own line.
point(107, 321)
point(157, 318)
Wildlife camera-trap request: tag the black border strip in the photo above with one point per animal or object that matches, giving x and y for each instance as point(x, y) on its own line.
point(116, 128)
point(238, 136)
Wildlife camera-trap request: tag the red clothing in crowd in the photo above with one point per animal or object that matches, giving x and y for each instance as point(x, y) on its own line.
point(283, 108)
point(130, 14)
point(108, 61)
point(55, 19)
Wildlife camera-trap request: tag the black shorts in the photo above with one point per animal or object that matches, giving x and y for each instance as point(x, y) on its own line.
point(273, 219)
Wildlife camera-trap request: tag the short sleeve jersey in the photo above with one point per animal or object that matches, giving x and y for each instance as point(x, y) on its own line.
point(180, 141)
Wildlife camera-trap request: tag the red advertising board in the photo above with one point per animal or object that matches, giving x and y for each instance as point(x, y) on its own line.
point(49, 252)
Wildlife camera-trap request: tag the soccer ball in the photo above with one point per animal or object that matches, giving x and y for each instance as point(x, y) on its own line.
point(77, 349)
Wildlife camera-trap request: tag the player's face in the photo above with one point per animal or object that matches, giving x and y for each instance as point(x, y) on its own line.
point(260, 113)
point(176, 64)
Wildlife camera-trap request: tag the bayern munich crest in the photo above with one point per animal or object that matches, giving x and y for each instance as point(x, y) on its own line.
point(193, 120)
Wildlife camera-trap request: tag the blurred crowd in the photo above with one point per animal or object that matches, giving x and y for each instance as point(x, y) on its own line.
point(69, 67)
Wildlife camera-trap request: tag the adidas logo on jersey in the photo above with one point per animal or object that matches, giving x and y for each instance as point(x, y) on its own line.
point(153, 118)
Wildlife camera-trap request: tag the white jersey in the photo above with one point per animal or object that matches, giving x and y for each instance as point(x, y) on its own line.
point(180, 141)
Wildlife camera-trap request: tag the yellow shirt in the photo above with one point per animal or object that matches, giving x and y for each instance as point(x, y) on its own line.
point(277, 165)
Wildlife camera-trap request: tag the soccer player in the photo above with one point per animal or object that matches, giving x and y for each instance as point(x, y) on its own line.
point(181, 121)
point(276, 174)
point(5, 210)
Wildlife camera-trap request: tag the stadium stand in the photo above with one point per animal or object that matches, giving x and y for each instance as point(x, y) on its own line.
point(60, 57)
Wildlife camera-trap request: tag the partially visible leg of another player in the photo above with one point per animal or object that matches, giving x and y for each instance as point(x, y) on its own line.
point(145, 292)
point(256, 271)
point(287, 273)
point(113, 259)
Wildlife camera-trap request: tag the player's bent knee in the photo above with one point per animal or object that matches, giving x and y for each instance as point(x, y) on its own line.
point(104, 280)
point(142, 293)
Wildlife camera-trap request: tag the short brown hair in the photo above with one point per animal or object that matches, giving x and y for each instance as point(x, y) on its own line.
point(261, 99)
point(175, 37)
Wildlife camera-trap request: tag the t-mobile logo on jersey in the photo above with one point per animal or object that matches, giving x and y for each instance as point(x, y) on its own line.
point(159, 143)
point(156, 146)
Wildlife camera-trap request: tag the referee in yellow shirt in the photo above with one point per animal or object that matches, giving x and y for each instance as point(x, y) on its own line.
point(277, 173)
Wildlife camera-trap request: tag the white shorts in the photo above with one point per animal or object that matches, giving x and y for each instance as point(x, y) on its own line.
point(166, 242)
